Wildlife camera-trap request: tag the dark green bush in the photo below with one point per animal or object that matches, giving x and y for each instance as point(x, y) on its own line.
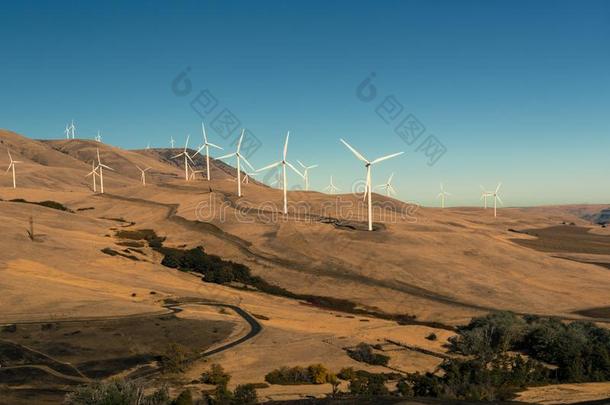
point(364, 353)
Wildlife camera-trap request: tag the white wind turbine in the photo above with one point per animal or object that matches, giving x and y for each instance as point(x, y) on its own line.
point(284, 163)
point(497, 199)
point(101, 167)
point(306, 173)
point(67, 131)
point(207, 145)
point(12, 166)
point(93, 173)
point(368, 165)
point(442, 195)
point(389, 189)
point(171, 141)
point(143, 174)
point(98, 138)
point(239, 157)
point(246, 179)
point(484, 195)
point(187, 157)
point(331, 188)
point(72, 129)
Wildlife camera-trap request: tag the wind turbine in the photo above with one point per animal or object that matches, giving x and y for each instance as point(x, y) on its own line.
point(93, 173)
point(496, 199)
point(389, 190)
point(368, 165)
point(143, 174)
point(246, 179)
point(239, 157)
point(67, 131)
point(207, 145)
point(171, 141)
point(306, 173)
point(331, 187)
point(284, 163)
point(72, 129)
point(98, 137)
point(442, 195)
point(101, 167)
point(187, 157)
point(193, 173)
point(12, 166)
point(484, 195)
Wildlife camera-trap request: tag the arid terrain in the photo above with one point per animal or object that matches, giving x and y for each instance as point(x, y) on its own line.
point(81, 302)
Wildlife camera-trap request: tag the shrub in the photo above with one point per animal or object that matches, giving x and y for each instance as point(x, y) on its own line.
point(175, 358)
point(185, 398)
point(215, 376)
point(314, 374)
point(364, 353)
point(245, 394)
point(115, 392)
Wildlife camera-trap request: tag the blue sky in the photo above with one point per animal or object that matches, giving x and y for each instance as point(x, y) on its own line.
point(517, 92)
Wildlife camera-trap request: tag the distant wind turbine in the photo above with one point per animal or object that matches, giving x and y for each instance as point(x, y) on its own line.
point(207, 145)
point(143, 174)
point(101, 167)
point(99, 136)
point(171, 141)
point(331, 188)
point(72, 129)
point(484, 195)
point(12, 166)
point(67, 131)
point(283, 163)
point(246, 179)
point(306, 173)
point(93, 173)
point(368, 165)
point(442, 195)
point(187, 157)
point(239, 157)
point(389, 189)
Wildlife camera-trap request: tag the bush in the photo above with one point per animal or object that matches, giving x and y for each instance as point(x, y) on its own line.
point(115, 392)
point(175, 358)
point(371, 385)
point(215, 376)
point(314, 374)
point(185, 398)
point(364, 353)
point(245, 394)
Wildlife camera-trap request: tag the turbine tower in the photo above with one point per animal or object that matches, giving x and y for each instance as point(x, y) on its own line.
point(332, 189)
point(367, 165)
point(93, 173)
point(239, 157)
point(72, 129)
point(101, 167)
point(143, 174)
point(187, 157)
point(306, 173)
point(389, 190)
point(171, 141)
point(67, 131)
point(207, 145)
point(497, 199)
point(284, 163)
point(442, 195)
point(12, 166)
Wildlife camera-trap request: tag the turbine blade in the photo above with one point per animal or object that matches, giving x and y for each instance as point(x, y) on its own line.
point(500, 200)
point(295, 169)
point(354, 151)
point(227, 156)
point(301, 163)
point(246, 162)
point(391, 177)
point(381, 159)
point(272, 165)
point(173, 157)
point(205, 137)
point(186, 145)
point(240, 139)
point(498, 188)
point(214, 146)
point(286, 144)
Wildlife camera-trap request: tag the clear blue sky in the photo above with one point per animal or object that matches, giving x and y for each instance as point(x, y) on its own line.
point(517, 91)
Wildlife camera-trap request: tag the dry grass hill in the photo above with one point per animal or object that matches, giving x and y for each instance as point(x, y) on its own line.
point(436, 268)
